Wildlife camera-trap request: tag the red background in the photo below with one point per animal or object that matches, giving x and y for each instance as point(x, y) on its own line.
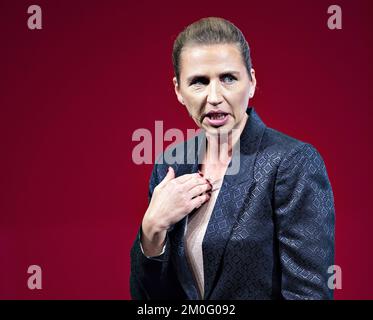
point(72, 94)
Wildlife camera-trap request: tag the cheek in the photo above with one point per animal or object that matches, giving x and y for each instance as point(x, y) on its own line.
point(239, 100)
point(193, 103)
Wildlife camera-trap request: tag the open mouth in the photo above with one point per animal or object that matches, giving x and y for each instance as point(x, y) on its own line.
point(217, 118)
point(216, 115)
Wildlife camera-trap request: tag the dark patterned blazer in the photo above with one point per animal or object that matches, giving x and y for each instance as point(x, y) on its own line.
point(271, 232)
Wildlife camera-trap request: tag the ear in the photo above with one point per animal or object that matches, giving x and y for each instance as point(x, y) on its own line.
point(177, 91)
point(252, 83)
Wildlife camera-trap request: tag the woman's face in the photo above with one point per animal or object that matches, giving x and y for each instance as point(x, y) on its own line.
point(214, 86)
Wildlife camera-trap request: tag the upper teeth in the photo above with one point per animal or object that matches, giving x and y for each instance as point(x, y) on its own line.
point(217, 115)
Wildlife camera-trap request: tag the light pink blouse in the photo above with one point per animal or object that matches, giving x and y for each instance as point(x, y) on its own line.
point(195, 231)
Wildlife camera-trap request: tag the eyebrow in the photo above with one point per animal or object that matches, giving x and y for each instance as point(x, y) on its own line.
point(189, 79)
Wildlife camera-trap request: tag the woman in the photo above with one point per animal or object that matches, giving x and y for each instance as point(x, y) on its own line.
point(253, 216)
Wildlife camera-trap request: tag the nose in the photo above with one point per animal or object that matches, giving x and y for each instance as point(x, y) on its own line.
point(214, 96)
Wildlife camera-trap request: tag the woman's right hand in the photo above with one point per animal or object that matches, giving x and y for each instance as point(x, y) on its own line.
point(171, 201)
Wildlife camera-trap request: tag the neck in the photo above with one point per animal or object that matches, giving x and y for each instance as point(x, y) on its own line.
point(220, 146)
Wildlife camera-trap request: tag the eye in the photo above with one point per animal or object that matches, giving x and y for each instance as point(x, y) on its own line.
point(199, 81)
point(228, 78)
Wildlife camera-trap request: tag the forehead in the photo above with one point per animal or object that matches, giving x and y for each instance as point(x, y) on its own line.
point(204, 58)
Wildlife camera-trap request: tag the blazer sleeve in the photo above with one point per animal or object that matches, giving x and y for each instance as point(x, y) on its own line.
point(305, 218)
point(152, 278)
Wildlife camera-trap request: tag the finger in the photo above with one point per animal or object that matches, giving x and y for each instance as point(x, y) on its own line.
point(197, 190)
point(169, 176)
point(186, 177)
point(200, 200)
point(193, 182)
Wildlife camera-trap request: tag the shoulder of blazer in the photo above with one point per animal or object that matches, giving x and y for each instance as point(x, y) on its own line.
point(279, 142)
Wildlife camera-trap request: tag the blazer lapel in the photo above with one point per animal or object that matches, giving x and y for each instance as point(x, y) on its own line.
point(234, 192)
point(192, 153)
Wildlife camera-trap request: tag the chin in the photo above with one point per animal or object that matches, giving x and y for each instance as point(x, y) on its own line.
point(218, 130)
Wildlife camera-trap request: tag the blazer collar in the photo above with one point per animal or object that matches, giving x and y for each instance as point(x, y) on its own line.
point(234, 191)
